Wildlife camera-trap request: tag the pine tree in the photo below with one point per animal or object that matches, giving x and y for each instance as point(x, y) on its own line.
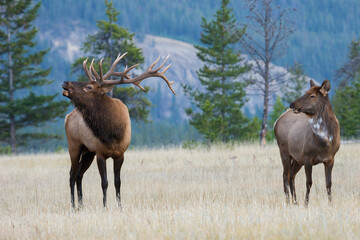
point(219, 116)
point(253, 129)
point(346, 105)
point(294, 87)
point(347, 96)
point(20, 74)
point(110, 40)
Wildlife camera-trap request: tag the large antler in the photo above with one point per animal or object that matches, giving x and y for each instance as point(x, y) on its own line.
point(88, 73)
point(125, 78)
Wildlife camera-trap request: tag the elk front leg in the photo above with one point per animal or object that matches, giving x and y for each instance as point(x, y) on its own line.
point(117, 181)
point(295, 167)
point(101, 162)
point(308, 172)
point(74, 152)
point(86, 160)
point(328, 170)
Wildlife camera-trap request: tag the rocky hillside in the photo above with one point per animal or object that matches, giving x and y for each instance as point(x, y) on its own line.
point(183, 71)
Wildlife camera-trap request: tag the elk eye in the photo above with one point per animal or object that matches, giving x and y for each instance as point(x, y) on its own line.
point(312, 96)
point(88, 87)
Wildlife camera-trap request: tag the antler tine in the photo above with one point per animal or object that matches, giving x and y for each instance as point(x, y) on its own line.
point(153, 73)
point(88, 74)
point(125, 78)
point(92, 70)
point(166, 68)
point(154, 63)
point(111, 70)
point(162, 73)
point(135, 83)
point(167, 57)
point(167, 82)
point(96, 75)
point(100, 70)
point(141, 87)
point(128, 70)
point(85, 68)
point(123, 75)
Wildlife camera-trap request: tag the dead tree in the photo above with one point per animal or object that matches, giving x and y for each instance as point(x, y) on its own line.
point(265, 41)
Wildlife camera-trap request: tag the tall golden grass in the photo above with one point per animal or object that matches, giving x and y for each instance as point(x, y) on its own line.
point(172, 193)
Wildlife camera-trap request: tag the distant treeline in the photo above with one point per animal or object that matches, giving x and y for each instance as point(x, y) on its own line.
point(324, 28)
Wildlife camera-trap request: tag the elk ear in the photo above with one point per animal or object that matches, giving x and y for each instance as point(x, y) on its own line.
point(325, 87)
point(107, 88)
point(312, 83)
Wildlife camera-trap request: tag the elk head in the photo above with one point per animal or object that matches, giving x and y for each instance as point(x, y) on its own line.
point(314, 100)
point(98, 85)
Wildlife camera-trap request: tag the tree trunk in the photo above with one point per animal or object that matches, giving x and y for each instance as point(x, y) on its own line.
point(12, 133)
point(265, 115)
point(111, 93)
point(266, 80)
point(11, 96)
point(223, 91)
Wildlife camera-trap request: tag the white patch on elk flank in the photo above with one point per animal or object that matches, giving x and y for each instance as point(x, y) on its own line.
point(320, 129)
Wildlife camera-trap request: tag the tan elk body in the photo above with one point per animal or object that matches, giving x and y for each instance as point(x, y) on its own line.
point(308, 134)
point(100, 125)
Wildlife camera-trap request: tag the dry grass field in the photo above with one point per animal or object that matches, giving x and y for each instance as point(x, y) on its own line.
point(217, 193)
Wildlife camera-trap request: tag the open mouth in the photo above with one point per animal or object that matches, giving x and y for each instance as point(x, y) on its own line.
point(302, 110)
point(66, 92)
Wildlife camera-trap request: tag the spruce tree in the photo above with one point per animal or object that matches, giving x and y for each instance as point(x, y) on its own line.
point(110, 40)
point(20, 74)
point(346, 106)
point(347, 96)
point(218, 116)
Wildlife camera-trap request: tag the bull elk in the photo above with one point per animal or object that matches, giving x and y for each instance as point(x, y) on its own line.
point(308, 134)
point(100, 125)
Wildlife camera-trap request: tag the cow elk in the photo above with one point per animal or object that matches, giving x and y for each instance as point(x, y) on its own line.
point(100, 125)
point(308, 134)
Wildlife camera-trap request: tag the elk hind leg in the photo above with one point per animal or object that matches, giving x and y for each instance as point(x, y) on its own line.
point(328, 170)
point(117, 181)
point(101, 162)
point(286, 161)
point(308, 172)
point(295, 167)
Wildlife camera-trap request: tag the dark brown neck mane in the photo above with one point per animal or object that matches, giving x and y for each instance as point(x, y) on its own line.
point(99, 117)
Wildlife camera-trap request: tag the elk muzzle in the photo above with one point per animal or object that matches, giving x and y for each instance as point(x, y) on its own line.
point(296, 110)
point(66, 91)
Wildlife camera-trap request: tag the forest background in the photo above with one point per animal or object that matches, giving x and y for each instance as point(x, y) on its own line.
point(323, 34)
